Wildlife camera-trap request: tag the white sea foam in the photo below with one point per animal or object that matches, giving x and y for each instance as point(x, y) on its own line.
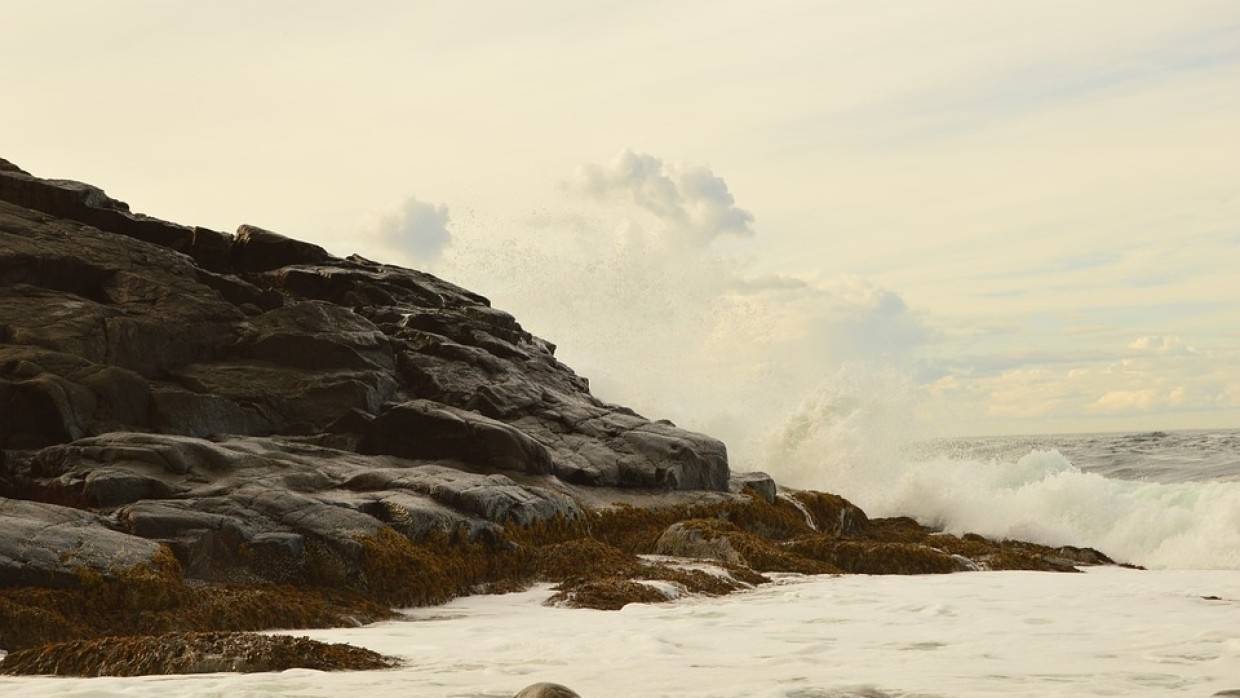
point(849, 441)
point(1108, 632)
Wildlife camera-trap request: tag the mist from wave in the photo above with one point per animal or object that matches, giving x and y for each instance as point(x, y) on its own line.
point(1162, 500)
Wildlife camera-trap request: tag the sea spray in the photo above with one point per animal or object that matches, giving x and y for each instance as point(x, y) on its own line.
point(856, 437)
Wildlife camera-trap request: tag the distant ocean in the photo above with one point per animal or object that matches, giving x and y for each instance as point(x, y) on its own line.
point(1164, 500)
point(1156, 456)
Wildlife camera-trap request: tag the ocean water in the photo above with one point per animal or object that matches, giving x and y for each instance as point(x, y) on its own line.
point(1170, 501)
point(1157, 456)
point(1108, 632)
point(1164, 500)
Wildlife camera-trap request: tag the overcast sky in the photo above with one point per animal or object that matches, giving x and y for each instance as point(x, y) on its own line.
point(1015, 217)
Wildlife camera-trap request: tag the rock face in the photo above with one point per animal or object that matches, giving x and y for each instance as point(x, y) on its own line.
point(227, 395)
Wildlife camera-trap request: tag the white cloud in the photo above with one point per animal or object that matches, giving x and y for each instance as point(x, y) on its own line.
point(690, 200)
point(1161, 344)
point(419, 229)
point(1127, 400)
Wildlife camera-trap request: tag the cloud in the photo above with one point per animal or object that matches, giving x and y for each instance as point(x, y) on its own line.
point(690, 200)
point(1161, 344)
point(419, 229)
point(1129, 400)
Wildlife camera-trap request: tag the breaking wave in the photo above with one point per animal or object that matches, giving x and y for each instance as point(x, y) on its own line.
point(854, 439)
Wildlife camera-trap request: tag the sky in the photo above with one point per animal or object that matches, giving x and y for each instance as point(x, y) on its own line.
point(996, 217)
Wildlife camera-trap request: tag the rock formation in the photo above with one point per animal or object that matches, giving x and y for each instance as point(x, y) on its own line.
point(314, 438)
point(218, 393)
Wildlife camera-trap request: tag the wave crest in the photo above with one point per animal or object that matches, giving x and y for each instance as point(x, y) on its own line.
point(852, 440)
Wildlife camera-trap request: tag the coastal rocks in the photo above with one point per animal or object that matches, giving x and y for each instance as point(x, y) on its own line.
point(260, 334)
point(154, 600)
point(869, 557)
point(982, 553)
point(760, 484)
point(831, 514)
point(584, 558)
point(255, 249)
point(201, 431)
point(426, 429)
point(88, 204)
point(219, 504)
point(591, 574)
point(546, 690)
point(608, 594)
point(713, 539)
point(49, 546)
point(700, 541)
point(190, 653)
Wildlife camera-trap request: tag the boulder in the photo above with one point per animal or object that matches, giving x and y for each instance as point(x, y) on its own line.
point(759, 484)
point(699, 542)
point(723, 542)
point(879, 557)
point(546, 690)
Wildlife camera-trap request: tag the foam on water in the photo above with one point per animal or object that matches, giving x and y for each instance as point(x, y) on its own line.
point(1104, 633)
point(848, 441)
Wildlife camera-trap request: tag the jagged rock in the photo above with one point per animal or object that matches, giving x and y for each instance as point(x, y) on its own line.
point(276, 336)
point(761, 484)
point(256, 249)
point(88, 204)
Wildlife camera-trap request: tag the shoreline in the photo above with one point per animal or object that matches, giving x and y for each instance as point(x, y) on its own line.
point(595, 563)
point(1008, 633)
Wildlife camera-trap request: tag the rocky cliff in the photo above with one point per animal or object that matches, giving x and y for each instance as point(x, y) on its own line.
point(213, 391)
point(182, 407)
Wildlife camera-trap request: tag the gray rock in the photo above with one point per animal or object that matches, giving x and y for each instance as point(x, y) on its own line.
point(90, 205)
point(48, 545)
point(680, 540)
point(253, 401)
point(546, 690)
point(426, 429)
point(757, 483)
